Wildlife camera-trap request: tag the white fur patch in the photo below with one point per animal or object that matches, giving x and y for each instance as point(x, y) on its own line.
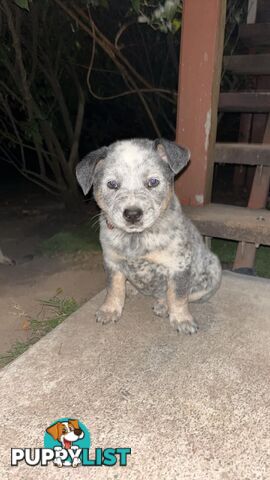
point(129, 153)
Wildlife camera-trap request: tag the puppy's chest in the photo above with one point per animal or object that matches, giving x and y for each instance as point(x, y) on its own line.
point(147, 276)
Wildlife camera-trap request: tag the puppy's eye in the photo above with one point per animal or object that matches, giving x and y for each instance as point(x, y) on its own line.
point(152, 182)
point(113, 185)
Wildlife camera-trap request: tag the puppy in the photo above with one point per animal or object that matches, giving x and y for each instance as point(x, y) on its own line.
point(145, 237)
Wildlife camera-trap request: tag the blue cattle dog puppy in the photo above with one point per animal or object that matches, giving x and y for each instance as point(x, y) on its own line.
point(145, 236)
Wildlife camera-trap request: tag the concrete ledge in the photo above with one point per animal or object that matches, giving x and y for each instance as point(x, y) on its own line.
point(190, 407)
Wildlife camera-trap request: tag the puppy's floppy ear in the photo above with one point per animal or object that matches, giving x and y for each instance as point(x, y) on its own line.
point(86, 168)
point(74, 423)
point(177, 157)
point(53, 430)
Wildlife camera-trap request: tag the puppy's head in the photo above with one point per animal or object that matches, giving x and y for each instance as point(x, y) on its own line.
point(133, 180)
point(66, 432)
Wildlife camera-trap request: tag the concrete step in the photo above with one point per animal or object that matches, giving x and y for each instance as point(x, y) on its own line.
point(190, 407)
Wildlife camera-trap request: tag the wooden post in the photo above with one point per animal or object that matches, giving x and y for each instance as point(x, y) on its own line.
point(199, 84)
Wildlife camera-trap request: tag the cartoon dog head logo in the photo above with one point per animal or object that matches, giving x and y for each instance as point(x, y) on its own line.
point(68, 434)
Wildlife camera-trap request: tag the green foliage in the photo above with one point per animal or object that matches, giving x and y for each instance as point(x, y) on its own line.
point(24, 4)
point(225, 250)
point(15, 351)
point(83, 239)
point(57, 310)
point(164, 15)
point(136, 5)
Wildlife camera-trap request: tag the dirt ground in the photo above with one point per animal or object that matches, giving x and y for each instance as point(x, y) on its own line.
point(34, 276)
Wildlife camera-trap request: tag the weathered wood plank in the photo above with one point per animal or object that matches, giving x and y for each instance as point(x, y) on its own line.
point(232, 223)
point(245, 257)
point(242, 153)
point(255, 35)
point(248, 102)
point(248, 64)
point(263, 11)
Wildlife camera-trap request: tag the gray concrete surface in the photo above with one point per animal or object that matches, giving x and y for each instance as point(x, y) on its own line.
point(190, 407)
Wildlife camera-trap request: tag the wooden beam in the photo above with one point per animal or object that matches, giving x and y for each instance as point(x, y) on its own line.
point(254, 35)
point(248, 102)
point(232, 223)
point(263, 11)
point(258, 64)
point(242, 154)
point(199, 82)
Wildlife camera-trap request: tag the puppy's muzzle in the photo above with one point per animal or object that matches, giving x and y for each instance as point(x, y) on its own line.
point(133, 214)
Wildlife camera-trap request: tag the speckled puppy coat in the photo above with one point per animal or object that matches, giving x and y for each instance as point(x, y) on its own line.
point(146, 239)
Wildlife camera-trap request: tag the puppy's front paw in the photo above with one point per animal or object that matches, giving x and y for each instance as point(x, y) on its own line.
point(105, 316)
point(185, 325)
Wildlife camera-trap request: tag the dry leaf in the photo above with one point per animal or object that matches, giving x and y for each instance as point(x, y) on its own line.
point(26, 325)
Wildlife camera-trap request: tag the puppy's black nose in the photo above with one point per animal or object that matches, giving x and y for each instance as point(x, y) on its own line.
point(132, 215)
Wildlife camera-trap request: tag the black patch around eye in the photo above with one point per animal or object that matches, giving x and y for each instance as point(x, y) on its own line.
point(113, 185)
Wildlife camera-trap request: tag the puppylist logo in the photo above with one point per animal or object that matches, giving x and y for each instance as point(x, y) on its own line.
point(67, 443)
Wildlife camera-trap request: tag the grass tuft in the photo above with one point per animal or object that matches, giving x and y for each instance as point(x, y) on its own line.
point(56, 310)
point(15, 351)
point(59, 308)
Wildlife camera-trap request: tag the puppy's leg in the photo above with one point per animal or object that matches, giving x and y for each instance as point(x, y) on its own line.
point(177, 295)
point(112, 307)
point(208, 282)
